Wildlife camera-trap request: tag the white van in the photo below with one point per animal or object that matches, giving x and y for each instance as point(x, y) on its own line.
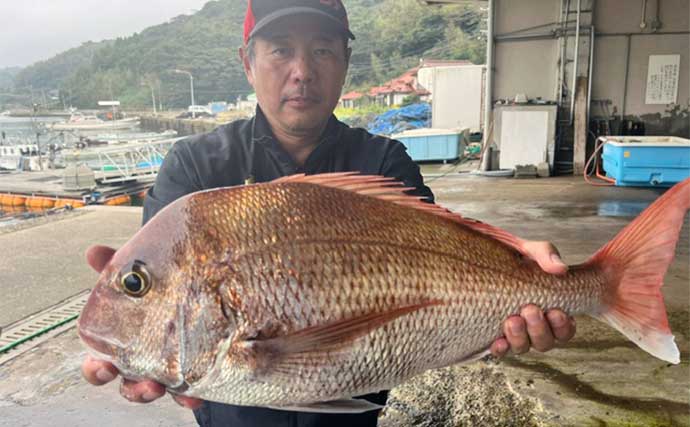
point(199, 110)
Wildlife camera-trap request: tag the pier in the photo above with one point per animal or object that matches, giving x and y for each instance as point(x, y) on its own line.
point(184, 127)
point(119, 171)
point(48, 184)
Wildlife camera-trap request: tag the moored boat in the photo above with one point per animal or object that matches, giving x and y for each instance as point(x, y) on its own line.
point(20, 157)
point(80, 121)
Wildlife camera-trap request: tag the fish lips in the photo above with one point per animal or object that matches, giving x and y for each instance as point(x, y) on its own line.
point(102, 346)
point(96, 323)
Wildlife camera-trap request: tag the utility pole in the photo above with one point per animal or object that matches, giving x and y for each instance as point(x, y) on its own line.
point(146, 82)
point(45, 100)
point(153, 101)
point(160, 97)
point(191, 84)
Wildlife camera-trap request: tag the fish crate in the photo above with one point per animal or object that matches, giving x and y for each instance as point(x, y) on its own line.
point(434, 144)
point(646, 161)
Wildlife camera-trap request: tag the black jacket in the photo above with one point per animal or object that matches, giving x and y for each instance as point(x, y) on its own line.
point(247, 149)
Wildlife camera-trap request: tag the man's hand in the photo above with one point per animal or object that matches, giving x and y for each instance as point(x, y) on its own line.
point(533, 327)
point(546, 255)
point(98, 372)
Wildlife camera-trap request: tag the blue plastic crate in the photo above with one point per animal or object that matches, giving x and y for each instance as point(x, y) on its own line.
point(647, 161)
point(433, 144)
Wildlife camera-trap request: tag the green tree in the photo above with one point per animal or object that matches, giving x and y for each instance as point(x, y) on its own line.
point(392, 35)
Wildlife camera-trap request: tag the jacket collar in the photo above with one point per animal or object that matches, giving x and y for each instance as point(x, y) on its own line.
point(262, 133)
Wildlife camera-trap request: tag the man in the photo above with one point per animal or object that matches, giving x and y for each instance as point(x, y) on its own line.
point(296, 57)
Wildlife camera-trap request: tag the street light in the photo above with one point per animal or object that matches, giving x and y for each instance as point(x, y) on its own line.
point(191, 85)
point(153, 95)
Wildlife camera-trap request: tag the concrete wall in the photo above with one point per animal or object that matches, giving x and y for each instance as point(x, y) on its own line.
point(183, 127)
point(529, 66)
point(526, 67)
point(624, 16)
point(618, 23)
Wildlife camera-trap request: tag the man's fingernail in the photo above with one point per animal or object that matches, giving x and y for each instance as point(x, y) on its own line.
point(557, 319)
point(556, 259)
point(517, 328)
point(149, 396)
point(104, 375)
point(534, 317)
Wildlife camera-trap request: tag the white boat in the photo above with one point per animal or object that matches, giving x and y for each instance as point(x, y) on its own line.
point(24, 157)
point(113, 139)
point(80, 121)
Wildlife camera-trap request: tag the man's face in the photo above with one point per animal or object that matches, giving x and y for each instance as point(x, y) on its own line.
point(298, 72)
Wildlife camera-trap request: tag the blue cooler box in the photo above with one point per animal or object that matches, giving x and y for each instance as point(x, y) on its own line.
point(647, 161)
point(434, 144)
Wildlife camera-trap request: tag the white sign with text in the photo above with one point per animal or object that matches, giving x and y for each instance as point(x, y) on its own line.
point(662, 79)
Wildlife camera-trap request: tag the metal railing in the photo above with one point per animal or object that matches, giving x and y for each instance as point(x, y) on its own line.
point(133, 161)
point(127, 162)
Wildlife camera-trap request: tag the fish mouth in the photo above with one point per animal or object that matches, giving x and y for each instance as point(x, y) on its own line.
point(101, 347)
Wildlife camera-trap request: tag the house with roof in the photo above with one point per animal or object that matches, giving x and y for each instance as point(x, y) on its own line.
point(413, 82)
point(394, 91)
point(353, 99)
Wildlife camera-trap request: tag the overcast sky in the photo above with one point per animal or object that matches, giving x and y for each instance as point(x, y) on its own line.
point(33, 30)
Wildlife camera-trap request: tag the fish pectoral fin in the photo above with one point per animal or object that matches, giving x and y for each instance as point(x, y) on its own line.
point(343, 406)
point(335, 334)
point(288, 353)
point(474, 357)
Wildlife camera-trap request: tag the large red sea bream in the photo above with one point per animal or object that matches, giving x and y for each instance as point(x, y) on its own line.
point(306, 291)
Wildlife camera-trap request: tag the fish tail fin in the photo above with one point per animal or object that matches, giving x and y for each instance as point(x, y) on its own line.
point(634, 264)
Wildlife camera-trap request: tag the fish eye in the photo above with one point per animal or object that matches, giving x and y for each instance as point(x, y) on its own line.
point(136, 282)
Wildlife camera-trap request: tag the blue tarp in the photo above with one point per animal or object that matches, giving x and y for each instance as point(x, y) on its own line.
point(413, 116)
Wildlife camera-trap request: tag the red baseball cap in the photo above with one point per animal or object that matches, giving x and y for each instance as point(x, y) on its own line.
point(260, 13)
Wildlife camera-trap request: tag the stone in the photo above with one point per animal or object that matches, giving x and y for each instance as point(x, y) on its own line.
point(525, 171)
point(543, 170)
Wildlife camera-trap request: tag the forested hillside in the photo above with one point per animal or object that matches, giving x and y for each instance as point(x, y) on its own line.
point(392, 35)
point(7, 76)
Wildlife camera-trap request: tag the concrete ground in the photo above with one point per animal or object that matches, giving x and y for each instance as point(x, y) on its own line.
point(42, 265)
point(598, 379)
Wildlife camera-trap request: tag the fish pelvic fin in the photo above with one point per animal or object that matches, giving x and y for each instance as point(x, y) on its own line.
point(286, 355)
point(634, 264)
point(343, 406)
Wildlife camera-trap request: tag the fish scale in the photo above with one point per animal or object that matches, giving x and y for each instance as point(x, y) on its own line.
point(301, 291)
point(348, 256)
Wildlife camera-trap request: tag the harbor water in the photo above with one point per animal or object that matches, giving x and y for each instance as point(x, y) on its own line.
point(37, 131)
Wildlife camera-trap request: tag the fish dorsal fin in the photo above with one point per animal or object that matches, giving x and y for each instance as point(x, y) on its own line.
point(392, 190)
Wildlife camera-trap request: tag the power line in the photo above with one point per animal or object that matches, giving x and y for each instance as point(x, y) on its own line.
point(396, 62)
point(480, 15)
point(393, 60)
